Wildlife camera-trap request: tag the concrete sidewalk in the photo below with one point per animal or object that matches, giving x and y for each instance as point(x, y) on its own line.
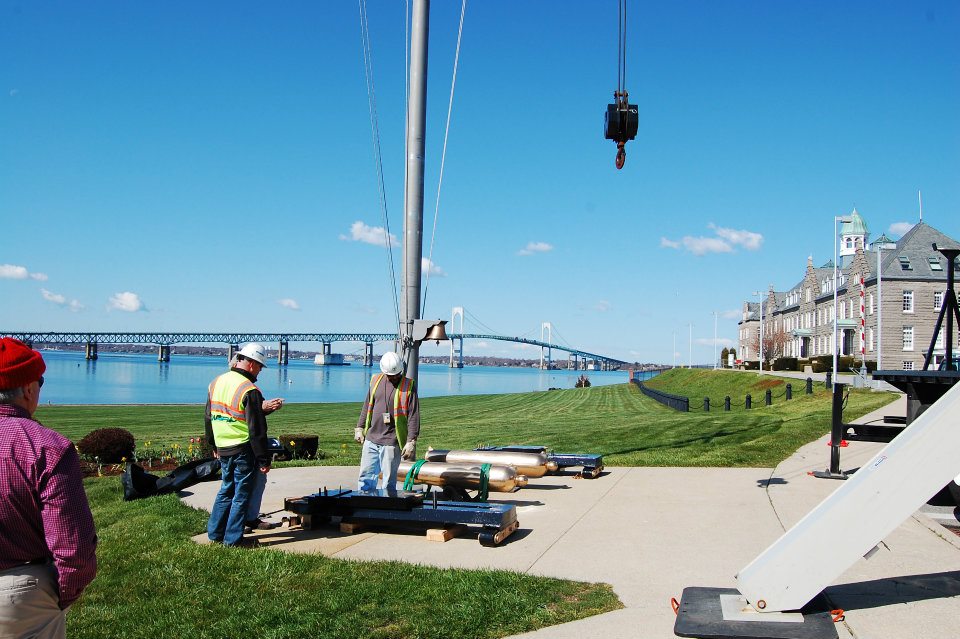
point(650, 532)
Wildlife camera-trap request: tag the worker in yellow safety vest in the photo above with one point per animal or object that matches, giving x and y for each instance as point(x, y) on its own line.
point(389, 425)
point(236, 426)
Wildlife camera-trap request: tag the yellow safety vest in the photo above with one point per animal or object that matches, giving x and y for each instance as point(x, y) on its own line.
point(401, 404)
point(228, 416)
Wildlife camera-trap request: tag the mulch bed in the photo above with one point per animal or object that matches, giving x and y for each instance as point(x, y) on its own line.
point(89, 469)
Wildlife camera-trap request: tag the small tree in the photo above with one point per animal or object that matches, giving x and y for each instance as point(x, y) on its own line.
point(724, 354)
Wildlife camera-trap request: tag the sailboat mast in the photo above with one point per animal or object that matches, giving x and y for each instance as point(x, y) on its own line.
point(413, 206)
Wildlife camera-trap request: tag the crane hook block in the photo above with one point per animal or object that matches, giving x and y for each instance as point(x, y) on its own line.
point(620, 125)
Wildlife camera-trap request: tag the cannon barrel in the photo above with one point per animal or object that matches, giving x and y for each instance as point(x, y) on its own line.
point(529, 464)
point(501, 479)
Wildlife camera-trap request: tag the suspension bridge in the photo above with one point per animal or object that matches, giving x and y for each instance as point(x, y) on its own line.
point(576, 358)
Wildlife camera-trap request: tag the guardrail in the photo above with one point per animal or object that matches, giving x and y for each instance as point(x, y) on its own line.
point(676, 402)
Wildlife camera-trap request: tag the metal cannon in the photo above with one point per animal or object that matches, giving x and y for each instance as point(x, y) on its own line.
point(528, 464)
point(501, 479)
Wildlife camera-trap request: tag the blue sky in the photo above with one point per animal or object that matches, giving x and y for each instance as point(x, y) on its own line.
point(185, 166)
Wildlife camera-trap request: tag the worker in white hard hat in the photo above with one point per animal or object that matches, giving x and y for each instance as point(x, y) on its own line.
point(236, 426)
point(388, 426)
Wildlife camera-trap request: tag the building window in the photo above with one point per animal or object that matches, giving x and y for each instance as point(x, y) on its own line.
point(937, 300)
point(851, 309)
point(871, 303)
point(908, 301)
point(908, 338)
point(939, 345)
point(849, 242)
point(908, 366)
point(870, 339)
point(808, 293)
point(905, 263)
point(935, 264)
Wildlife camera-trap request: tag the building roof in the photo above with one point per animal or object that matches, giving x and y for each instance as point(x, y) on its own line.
point(856, 225)
point(914, 257)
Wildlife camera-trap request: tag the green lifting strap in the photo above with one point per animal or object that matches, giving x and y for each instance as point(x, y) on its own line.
point(412, 474)
point(484, 483)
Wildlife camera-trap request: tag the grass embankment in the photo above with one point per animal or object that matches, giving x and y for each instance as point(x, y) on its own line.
point(154, 582)
point(617, 421)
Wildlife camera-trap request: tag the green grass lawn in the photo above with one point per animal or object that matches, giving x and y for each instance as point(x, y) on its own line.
point(155, 582)
point(617, 421)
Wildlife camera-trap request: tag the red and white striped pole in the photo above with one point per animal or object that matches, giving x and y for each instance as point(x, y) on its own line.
point(863, 339)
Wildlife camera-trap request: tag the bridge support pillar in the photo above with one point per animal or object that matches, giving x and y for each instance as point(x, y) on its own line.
point(368, 354)
point(327, 348)
point(572, 363)
point(283, 353)
point(456, 352)
point(91, 350)
point(231, 352)
point(163, 353)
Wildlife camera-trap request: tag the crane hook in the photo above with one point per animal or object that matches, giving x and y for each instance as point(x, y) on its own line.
point(621, 155)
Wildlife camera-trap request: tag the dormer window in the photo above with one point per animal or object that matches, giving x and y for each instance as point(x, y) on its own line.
point(905, 263)
point(935, 264)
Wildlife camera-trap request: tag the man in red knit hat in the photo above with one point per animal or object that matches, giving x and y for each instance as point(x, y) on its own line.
point(47, 539)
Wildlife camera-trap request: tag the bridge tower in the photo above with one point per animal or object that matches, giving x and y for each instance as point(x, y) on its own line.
point(231, 352)
point(163, 353)
point(368, 354)
point(283, 353)
point(572, 363)
point(545, 350)
point(91, 350)
point(456, 343)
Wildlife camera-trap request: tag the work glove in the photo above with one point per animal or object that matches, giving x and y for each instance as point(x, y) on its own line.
point(358, 435)
point(409, 451)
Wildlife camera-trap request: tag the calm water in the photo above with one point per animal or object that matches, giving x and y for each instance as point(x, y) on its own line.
point(140, 379)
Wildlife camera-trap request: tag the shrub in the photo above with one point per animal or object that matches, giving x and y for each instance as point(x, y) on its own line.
point(108, 445)
point(785, 364)
point(301, 446)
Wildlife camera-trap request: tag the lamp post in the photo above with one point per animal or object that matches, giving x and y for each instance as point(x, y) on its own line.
point(834, 345)
point(760, 294)
point(879, 310)
point(690, 353)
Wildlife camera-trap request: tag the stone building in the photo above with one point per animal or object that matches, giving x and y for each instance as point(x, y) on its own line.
point(900, 307)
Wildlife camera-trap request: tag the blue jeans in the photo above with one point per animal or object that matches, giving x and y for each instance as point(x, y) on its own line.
point(377, 458)
point(230, 506)
point(256, 495)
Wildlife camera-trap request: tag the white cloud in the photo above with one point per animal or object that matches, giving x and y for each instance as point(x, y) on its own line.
point(14, 272)
point(289, 303)
point(900, 229)
point(53, 297)
point(747, 239)
point(60, 300)
point(725, 241)
point(535, 247)
point(721, 341)
point(603, 306)
point(428, 266)
point(732, 314)
point(376, 235)
point(365, 309)
point(703, 245)
point(126, 301)
point(14, 92)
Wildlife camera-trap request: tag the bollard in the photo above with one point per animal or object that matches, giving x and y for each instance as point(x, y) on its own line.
point(809, 386)
point(747, 402)
point(768, 397)
point(828, 382)
point(789, 392)
point(726, 403)
point(706, 404)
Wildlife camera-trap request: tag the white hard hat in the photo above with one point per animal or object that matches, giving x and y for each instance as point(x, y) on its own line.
point(256, 352)
point(391, 364)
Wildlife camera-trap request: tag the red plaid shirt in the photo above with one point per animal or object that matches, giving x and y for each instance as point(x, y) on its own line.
point(44, 512)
